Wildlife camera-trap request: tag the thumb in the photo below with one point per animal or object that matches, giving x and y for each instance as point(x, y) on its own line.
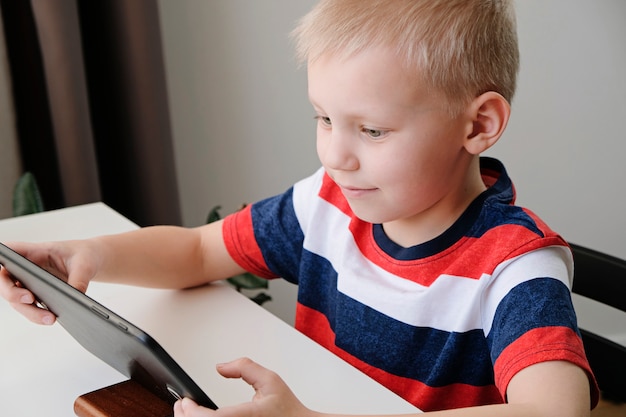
point(188, 408)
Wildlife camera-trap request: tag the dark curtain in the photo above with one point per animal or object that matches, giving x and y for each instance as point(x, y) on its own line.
point(88, 81)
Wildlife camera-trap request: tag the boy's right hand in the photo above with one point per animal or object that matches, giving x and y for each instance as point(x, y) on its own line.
point(73, 261)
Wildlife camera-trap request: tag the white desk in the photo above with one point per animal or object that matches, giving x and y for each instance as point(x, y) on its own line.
point(43, 370)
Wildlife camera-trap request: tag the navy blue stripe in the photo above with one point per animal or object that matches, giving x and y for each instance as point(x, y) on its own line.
point(434, 357)
point(318, 286)
point(545, 300)
point(278, 234)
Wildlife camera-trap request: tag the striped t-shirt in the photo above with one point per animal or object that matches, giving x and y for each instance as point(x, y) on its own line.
point(444, 324)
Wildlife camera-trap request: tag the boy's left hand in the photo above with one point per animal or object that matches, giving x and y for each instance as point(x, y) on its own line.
point(272, 396)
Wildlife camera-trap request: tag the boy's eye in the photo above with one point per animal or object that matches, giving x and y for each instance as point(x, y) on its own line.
point(374, 133)
point(324, 120)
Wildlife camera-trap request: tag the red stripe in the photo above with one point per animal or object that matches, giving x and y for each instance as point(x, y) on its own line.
point(467, 258)
point(542, 345)
point(241, 243)
point(316, 326)
point(330, 192)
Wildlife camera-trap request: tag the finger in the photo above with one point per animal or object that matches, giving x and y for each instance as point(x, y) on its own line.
point(259, 377)
point(178, 409)
point(12, 291)
point(244, 368)
point(35, 252)
point(188, 408)
point(35, 314)
point(22, 300)
point(77, 278)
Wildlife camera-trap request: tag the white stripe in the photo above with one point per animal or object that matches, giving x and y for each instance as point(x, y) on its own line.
point(554, 262)
point(451, 303)
point(305, 194)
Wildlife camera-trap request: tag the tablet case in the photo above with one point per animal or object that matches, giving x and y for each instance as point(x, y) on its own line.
point(108, 336)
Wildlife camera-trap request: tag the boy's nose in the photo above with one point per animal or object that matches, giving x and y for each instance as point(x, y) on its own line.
point(337, 151)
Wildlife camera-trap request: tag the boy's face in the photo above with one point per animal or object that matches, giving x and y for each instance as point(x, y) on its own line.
point(389, 144)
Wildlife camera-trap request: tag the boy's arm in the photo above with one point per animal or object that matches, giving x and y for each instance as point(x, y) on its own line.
point(166, 257)
point(160, 256)
point(548, 389)
point(556, 388)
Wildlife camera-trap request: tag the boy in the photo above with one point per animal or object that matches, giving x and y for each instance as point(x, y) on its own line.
point(412, 262)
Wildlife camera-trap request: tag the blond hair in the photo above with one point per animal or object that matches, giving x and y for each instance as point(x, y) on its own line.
point(461, 48)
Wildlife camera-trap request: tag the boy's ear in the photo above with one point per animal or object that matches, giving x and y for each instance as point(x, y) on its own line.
point(489, 114)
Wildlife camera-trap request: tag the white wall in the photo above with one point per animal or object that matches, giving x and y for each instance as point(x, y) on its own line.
point(242, 123)
point(244, 130)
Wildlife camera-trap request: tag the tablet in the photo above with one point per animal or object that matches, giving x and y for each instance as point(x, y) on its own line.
point(108, 336)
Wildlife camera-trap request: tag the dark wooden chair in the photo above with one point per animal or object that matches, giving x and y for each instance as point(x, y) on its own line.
point(602, 277)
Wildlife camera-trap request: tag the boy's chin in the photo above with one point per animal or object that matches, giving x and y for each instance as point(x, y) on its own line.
point(368, 215)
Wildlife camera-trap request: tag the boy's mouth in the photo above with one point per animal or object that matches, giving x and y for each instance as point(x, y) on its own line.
point(355, 192)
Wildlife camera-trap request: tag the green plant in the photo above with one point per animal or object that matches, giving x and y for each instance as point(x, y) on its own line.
point(245, 281)
point(26, 196)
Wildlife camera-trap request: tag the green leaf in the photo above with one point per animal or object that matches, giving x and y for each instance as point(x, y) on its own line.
point(26, 196)
point(248, 281)
point(261, 298)
point(214, 215)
